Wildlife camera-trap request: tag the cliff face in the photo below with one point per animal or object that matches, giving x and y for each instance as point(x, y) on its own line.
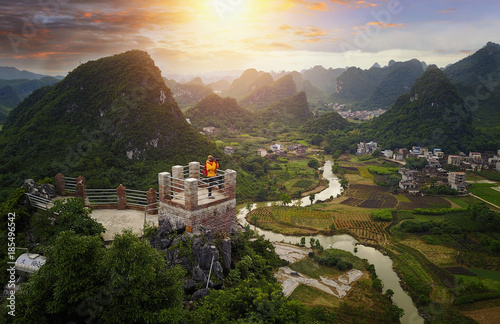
point(198, 255)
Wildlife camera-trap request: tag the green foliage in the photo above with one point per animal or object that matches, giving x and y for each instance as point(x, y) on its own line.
point(382, 170)
point(313, 163)
point(67, 215)
point(435, 227)
point(290, 111)
point(219, 112)
point(13, 207)
point(384, 215)
point(285, 198)
point(432, 114)
point(82, 280)
point(323, 124)
point(339, 259)
point(416, 163)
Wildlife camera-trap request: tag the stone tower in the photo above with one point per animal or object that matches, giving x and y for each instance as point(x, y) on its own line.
point(184, 198)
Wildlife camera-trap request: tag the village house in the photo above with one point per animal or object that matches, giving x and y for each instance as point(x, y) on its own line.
point(388, 154)
point(228, 150)
point(262, 152)
point(475, 156)
point(210, 130)
point(276, 148)
point(438, 153)
point(456, 180)
point(366, 148)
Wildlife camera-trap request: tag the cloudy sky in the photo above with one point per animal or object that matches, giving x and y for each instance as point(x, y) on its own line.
point(199, 36)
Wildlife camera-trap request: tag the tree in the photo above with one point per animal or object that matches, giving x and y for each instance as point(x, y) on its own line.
point(84, 281)
point(285, 198)
point(67, 215)
point(312, 242)
point(303, 241)
point(313, 163)
point(389, 293)
point(70, 276)
point(344, 183)
point(141, 287)
point(311, 197)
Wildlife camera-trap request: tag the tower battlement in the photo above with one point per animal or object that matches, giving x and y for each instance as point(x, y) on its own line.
point(184, 198)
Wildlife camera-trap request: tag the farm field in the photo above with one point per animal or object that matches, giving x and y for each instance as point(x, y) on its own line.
point(440, 255)
point(487, 192)
point(308, 221)
point(359, 195)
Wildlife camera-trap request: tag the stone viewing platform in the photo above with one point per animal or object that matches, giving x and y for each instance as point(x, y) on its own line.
point(183, 196)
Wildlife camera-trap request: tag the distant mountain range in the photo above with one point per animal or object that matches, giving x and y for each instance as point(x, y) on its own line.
point(11, 73)
point(13, 91)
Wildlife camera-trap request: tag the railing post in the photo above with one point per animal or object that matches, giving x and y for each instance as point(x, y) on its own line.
point(151, 196)
point(81, 188)
point(191, 193)
point(121, 197)
point(60, 184)
point(178, 177)
point(164, 186)
point(194, 170)
point(230, 183)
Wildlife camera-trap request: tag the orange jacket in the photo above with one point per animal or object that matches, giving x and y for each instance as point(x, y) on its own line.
point(212, 168)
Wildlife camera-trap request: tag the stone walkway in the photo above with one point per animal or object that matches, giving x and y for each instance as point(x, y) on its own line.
point(115, 221)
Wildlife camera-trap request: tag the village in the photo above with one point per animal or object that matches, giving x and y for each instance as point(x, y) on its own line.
point(440, 169)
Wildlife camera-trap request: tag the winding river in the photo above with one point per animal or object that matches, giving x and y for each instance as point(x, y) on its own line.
point(382, 263)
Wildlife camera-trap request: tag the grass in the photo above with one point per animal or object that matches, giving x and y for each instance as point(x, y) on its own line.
point(311, 269)
point(314, 297)
point(487, 193)
point(402, 198)
point(464, 201)
point(489, 278)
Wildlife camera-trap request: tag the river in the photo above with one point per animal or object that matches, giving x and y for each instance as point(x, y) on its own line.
point(382, 263)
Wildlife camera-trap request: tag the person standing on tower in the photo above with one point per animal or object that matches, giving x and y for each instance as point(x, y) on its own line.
point(210, 171)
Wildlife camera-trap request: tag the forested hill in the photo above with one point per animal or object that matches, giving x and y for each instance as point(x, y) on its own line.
point(219, 112)
point(267, 94)
point(291, 111)
point(112, 120)
point(477, 78)
point(432, 115)
point(377, 87)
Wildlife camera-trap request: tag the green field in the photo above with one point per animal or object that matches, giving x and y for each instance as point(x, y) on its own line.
point(487, 193)
point(490, 279)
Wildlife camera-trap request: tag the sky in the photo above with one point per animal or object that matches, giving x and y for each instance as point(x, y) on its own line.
point(195, 37)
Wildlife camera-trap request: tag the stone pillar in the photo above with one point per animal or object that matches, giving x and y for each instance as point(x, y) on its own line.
point(230, 183)
point(60, 187)
point(151, 196)
point(177, 178)
point(165, 186)
point(191, 193)
point(194, 170)
point(81, 188)
point(121, 197)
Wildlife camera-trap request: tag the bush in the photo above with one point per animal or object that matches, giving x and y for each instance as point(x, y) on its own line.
point(384, 215)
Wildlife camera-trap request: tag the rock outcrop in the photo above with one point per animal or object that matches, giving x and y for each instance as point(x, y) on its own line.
point(197, 254)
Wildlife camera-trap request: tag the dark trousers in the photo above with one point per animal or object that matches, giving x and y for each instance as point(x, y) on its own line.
point(211, 181)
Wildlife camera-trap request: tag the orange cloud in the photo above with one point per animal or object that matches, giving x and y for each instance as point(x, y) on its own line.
point(364, 4)
point(319, 6)
point(311, 32)
point(447, 10)
point(384, 25)
point(285, 27)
